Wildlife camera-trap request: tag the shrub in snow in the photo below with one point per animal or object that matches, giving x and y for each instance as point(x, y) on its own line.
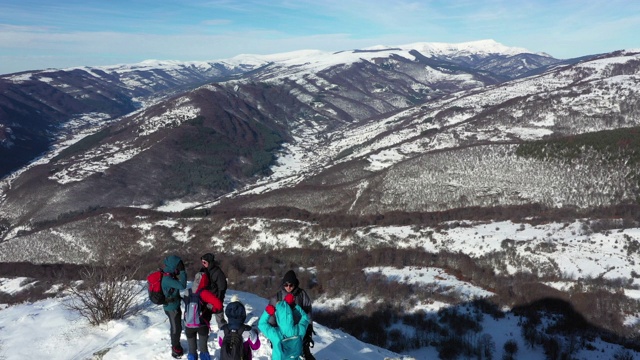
point(105, 294)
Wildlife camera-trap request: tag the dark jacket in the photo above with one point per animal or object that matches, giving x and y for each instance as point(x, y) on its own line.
point(302, 299)
point(171, 285)
point(217, 281)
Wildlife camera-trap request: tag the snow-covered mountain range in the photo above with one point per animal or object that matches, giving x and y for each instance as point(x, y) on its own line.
point(35, 106)
point(514, 172)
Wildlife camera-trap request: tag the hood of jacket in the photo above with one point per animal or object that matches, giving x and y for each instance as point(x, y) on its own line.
point(210, 259)
point(200, 281)
point(170, 263)
point(236, 314)
point(284, 317)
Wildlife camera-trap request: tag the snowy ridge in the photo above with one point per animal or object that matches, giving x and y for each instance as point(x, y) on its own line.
point(305, 61)
point(326, 58)
point(488, 46)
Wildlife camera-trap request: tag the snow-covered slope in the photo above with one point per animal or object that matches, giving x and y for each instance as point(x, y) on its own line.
point(48, 329)
point(353, 120)
point(469, 136)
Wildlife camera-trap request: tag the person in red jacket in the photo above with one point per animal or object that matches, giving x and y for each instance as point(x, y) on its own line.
point(197, 337)
point(217, 283)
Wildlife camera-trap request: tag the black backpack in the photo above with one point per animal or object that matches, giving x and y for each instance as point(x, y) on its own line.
point(233, 344)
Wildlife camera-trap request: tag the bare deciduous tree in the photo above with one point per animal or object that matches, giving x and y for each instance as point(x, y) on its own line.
point(106, 293)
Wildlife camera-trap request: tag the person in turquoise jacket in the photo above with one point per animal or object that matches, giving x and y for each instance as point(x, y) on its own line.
point(287, 336)
point(171, 286)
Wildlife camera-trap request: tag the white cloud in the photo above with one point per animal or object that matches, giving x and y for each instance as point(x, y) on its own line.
point(217, 22)
point(562, 29)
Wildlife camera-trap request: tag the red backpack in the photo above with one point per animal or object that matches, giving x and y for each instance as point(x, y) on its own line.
point(154, 283)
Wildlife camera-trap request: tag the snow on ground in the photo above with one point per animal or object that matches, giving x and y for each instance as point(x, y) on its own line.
point(73, 131)
point(94, 161)
point(384, 159)
point(172, 117)
point(573, 250)
point(20, 78)
point(431, 277)
point(577, 252)
point(12, 286)
point(291, 162)
point(507, 328)
point(176, 206)
point(59, 333)
point(47, 329)
point(332, 304)
point(634, 294)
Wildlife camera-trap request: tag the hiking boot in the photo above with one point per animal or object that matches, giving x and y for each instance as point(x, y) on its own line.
point(205, 356)
point(307, 355)
point(191, 356)
point(177, 351)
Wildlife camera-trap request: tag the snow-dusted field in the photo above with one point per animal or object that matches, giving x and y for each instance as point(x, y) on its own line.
point(431, 277)
point(47, 329)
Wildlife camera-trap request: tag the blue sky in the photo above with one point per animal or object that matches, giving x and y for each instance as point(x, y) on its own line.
point(38, 34)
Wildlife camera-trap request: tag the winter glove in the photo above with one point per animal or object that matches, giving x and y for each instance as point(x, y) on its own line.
point(290, 299)
point(180, 266)
point(270, 309)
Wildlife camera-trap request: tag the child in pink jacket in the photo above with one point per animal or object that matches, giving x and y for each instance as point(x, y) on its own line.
point(236, 316)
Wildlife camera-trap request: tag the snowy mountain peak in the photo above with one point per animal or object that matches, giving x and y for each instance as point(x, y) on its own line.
point(302, 57)
point(487, 46)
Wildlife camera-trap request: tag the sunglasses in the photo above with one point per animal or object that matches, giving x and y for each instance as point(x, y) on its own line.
point(205, 262)
point(287, 285)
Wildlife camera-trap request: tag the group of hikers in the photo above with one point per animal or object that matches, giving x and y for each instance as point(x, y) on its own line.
point(286, 321)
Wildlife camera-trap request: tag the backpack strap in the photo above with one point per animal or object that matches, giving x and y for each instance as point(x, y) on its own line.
point(170, 297)
point(203, 307)
point(226, 329)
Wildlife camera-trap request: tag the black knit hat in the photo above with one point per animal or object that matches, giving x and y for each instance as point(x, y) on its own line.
point(290, 277)
point(208, 257)
point(236, 313)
